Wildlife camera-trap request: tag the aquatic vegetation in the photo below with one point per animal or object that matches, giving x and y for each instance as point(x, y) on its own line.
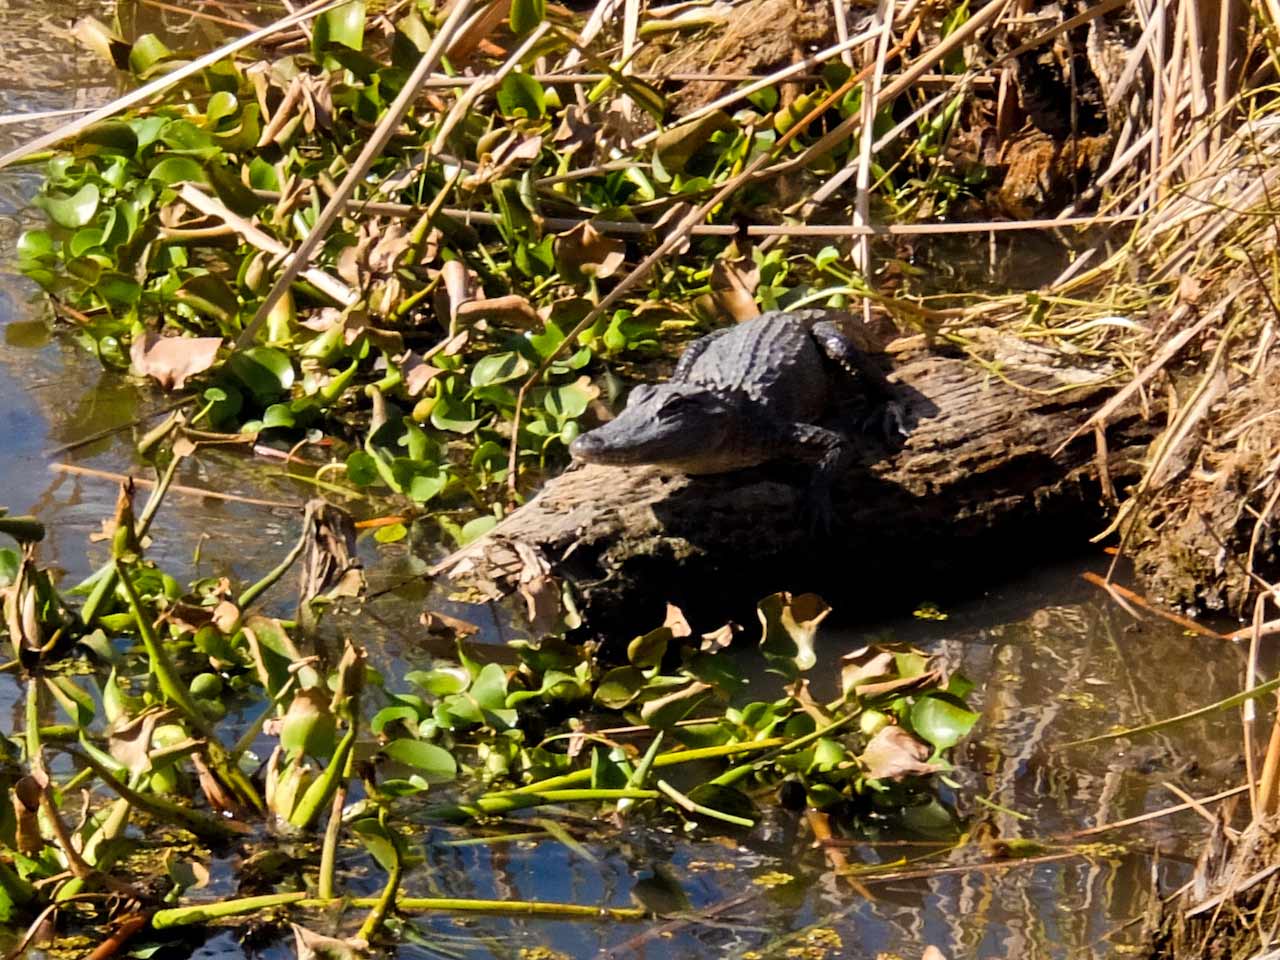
point(190, 711)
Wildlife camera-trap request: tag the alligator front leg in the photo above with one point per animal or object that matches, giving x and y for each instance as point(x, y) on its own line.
point(841, 351)
point(832, 454)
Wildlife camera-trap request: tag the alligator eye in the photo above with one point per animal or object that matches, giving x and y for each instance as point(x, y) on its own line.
point(676, 406)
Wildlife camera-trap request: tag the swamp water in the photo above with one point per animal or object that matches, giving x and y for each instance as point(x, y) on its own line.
point(1053, 658)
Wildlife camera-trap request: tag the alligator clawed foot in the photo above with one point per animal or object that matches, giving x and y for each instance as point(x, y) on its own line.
point(890, 422)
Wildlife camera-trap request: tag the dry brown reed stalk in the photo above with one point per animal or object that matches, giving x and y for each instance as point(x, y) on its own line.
point(378, 141)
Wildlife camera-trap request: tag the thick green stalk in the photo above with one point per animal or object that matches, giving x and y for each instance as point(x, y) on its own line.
point(671, 759)
point(496, 805)
point(104, 580)
point(378, 912)
point(176, 692)
point(734, 774)
point(685, 803)
point(203, 913)
point(33, 722)
point(203, 825)
point(253, 592)
point(323, 787)
point(639, 778)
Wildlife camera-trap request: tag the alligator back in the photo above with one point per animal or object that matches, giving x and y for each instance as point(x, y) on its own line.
point(773, 359)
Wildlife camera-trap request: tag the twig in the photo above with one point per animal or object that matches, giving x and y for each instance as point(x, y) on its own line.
point(1185, 622)
point(176, 488)
point(1153, 815)
point(110, 431)
point(327, 284)
point(870, 107)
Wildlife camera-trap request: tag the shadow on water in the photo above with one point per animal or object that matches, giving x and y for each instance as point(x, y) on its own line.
point(1054, 661)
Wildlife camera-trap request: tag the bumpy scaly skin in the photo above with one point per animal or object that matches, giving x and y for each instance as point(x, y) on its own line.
point(739, 397)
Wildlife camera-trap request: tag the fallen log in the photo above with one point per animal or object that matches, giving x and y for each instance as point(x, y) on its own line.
point(974, 484)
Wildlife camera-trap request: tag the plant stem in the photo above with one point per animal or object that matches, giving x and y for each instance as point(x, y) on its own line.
point(494, 805)
point(685, 803)
point(203, 825)
point(104, 580)
point(378, 912)
point(663, 760)
point(203, 913)
point(256, 590)
point(734, 774)
point(320, 790)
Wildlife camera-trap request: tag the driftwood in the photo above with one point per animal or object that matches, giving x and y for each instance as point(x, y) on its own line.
point(974, 486)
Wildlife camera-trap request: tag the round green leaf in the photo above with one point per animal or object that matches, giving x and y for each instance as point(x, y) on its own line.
point(221, 104)
point(441, 682)
point(35, 245)
point(389, 715)
point(362, 469)
point(436, 763)
point(526, 14)
point(173, 170)
point(75, 211)
point(521, 94)
point(264, 370)
point(391, 533)
point(619, 687)
point(568, 401)
point(499, 368)
point(940, 721)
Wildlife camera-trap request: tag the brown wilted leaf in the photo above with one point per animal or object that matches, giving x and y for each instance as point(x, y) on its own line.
point(219, 797)
point(330, 568)
point(733, 287)
point(130, 743)
point(315, 946)
point(790, 625)
point(542, 604)
point(226, 616)
point(417, 373)
point(676, 623)
point(171, 361)
point(350, 674)
point(862, 665)
point(513, 152)
point(512, 310)
point(456, 288)
point(894, 754)
point(26, 806)
point(585, 250)
point(576, 132)
point(442, 625)
point(720, 638)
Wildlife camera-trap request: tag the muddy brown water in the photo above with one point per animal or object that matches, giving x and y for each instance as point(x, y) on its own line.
point(1053, 659)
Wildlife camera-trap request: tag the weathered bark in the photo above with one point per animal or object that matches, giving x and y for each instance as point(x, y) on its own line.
point(976, 472)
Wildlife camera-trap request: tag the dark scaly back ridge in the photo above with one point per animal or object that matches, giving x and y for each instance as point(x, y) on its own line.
point(770, 358)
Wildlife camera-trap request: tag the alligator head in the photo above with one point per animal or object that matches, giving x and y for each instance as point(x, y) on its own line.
point(680, 426)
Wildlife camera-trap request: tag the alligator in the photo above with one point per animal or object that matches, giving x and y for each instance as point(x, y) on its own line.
point(740, 397)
